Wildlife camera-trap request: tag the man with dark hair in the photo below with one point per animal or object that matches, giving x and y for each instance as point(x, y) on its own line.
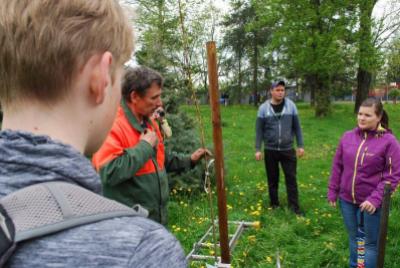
point(132, 161)
point(277, 123)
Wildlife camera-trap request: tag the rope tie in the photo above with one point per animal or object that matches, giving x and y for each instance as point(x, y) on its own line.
point(207, 163)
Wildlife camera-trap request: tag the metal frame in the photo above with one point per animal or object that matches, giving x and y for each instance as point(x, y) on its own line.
point(194, 256)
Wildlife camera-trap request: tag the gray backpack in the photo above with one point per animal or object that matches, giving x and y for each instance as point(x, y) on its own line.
point(50, 207)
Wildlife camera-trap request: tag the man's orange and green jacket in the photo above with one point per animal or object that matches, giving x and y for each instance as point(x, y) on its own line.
point(131, 170)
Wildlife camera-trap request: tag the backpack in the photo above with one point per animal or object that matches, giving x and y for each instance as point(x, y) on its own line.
point(50, 207)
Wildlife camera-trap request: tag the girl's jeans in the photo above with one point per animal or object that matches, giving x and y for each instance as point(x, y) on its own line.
point(352, 218)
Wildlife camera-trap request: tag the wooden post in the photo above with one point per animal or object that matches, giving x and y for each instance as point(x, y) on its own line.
point(218, 150)
point(383, 226)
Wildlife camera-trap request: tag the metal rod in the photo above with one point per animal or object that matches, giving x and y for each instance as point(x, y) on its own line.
point(235, 237)
point(218, 150)
point(232, 242)
point(196, 245)
point(278, 260)
point(207, 245)
point(202, 257)
point(383, 225)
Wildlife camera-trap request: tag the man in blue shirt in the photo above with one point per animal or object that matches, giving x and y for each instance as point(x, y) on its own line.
point(277, 124)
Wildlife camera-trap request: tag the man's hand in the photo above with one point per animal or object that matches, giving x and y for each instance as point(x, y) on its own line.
point(199, 154)
point(159, 114)
point(150, 137)
point(300, 152)
point(258, 156)
point(368, 207)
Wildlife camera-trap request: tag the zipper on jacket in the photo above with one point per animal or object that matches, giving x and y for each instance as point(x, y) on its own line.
point(390, 165)
point(353, 195)
point(279, 136)
point(155, 163)
point(363, 155)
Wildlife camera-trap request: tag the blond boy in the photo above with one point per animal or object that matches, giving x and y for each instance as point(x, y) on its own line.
point(60, 74)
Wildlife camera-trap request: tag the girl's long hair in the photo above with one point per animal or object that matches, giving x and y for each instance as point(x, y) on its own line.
point(379, 111)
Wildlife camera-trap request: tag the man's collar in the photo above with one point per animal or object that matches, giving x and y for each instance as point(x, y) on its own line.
point(283, 101)
point(132, 118)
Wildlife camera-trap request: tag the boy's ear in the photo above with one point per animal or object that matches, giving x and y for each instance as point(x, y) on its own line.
point(101, 77)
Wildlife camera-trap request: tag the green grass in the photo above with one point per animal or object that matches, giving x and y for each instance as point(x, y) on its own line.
point(319, 239)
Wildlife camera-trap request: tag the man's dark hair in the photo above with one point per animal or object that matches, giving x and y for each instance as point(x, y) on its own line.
point(139, 79)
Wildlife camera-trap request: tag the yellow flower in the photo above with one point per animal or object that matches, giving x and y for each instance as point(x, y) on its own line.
point(269, 259)
point(255, 213)
point(256, 224)
point(251, 238)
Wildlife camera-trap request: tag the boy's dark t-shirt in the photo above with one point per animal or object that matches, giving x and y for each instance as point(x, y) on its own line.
point(278, 108)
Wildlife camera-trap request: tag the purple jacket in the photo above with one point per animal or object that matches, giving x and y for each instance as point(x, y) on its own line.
point(364, 161)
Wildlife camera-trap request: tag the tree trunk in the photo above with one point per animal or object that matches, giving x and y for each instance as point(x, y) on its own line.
point(366, 53)
point(255, 68)
point(310, 86)
point(322, 107)
point(364, 79)
point(322, 96)
point(240, 89)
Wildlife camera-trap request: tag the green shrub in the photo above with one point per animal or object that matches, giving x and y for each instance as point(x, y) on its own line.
point(394, 94)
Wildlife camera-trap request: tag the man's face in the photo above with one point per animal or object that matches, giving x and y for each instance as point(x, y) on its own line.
point(147, 104)
point(278, 93)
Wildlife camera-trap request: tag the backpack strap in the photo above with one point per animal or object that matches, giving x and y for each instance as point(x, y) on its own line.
point(7, 236)
point(50, 207)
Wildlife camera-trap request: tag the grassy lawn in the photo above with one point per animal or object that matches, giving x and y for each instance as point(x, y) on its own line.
point(318, 239)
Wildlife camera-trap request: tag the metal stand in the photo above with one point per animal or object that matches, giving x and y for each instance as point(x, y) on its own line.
point(194, 255)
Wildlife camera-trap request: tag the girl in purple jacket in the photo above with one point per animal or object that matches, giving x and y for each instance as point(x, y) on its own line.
point(365, 159)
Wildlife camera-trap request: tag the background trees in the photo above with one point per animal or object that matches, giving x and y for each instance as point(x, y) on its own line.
point(323, 48)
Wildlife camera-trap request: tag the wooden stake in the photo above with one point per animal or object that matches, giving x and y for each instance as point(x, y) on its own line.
point(218, 150)
point(383, 226)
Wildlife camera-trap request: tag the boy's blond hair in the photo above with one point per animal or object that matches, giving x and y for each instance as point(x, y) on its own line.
point(45, 43)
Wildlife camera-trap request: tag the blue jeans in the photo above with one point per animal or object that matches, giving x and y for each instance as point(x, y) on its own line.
point(352, 218)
